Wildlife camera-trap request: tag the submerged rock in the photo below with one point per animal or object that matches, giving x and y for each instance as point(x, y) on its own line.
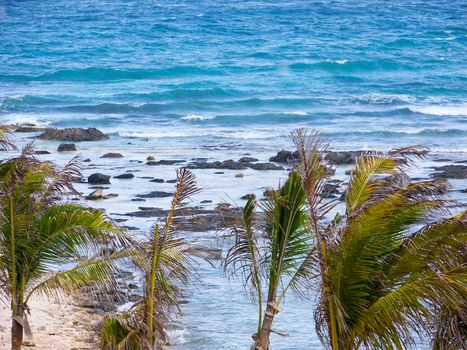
point(157, 180)
point(66, 147)
point(124, 176)
point(73, 134)
point(165, 162)
point(98, 179)
point(233, 165)
point(155, 194)
point(451, 172)
point(41, 152)
point(112, 155)
point(247, 160)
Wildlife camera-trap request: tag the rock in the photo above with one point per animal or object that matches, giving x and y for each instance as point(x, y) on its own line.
point(264, 166)
point(218, 172)
point(73, 134)
point(155, 194)
point(285, 157)
point(110, 195)
point(206, 201)
point(98, 179)
point(159, 181)
point(112, 155)
point(400, 180)
point(41, 152)
point(97, 194)
point(132, 286)
point(87, 160)
point(150, 158)
point(124, 176)
point(28, 128)
point(247, 160)
point(66, 147)
point(247, 196)
point(239, 175)
point(345, 157)
point(451, 172)
point(165, 162)
point(226, 164)
point(138, 200)
point(173, 181)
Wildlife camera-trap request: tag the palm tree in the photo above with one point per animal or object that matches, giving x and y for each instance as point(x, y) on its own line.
point(5, 142)
point(167, 265)
point(271, 252)
point(40, 234)
point(386, 269)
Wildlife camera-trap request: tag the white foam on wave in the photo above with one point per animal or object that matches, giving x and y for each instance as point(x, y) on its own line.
point(452, 110)
point(24, 119)
point(376, 98)
point(299, 113)
point(196, 117)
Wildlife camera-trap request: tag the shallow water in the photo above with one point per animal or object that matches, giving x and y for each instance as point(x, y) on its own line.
point(223, 79)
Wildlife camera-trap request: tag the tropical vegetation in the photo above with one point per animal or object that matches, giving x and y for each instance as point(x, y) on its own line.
point(46, 244)
point(167, 265)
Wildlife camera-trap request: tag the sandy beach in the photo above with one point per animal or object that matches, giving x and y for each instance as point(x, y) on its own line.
point(55, 326)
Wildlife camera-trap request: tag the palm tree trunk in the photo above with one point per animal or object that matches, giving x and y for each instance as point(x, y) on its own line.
point(262, 343)
point(17, 328)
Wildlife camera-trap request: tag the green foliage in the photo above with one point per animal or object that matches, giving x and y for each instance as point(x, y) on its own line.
point(47, 245)
point(386, 270)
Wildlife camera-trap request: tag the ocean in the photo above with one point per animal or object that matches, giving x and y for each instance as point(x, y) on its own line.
point(221, 79)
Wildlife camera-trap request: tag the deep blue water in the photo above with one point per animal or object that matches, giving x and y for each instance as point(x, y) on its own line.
point(367, 72)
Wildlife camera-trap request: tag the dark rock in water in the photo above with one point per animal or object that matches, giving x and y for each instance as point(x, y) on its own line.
point(464, 190)
point(124, 176)
point(330, 189)
point(66, 147)
point(27, 129)
point(442, 160)
point(159, 181)
point(87, 160)
point(219, 172)
point(345, 157)
point(151, 158)
point(98, 194)
point(149, 208)
point(73, 134)
point(284, 156)
point(264, 166)
point(172, 181)
point(247, 160)
point(138, 200)
point(166, 162)
point(99, 179)
point(132, 286)
point(451, 172)
point(95, 195)
point(112, 155)
point(41, 152)
point(233, 165)
point(155, 194)
point(247, 196)
point(401, 180)
point(206, 201)
point(226, 164)
point(461, 162)
point(98, 188)
point(136, 161)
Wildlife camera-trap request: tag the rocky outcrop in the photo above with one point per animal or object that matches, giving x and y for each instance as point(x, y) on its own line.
point(247, 160)
point(28, 129)
point(112, 155)
point(155, 194)
point(343, 158)
point(66, 147)
point(73, 134)
point(165, 162)
point(451, 172)
point(125, 176)
point(233, 165)
point(99, 179)
point(284, 156)
point(98, 194)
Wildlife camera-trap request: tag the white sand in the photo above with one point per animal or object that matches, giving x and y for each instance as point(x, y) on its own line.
point(55, 326)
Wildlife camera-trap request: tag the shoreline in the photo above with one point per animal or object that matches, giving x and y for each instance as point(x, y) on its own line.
point(55, 326)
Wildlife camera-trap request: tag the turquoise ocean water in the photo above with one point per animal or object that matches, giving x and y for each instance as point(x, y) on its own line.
point(367, 72)
point(219, 79)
